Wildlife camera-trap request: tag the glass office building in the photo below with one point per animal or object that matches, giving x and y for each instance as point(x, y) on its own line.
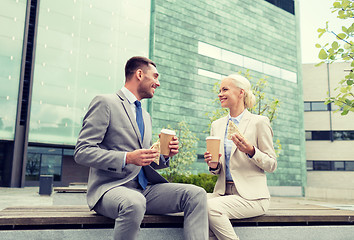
point(57, 55)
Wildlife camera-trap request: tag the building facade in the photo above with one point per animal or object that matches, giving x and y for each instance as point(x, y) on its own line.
point(79, 51)
point(329, 135)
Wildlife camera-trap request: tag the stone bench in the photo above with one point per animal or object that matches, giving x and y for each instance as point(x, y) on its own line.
point(79, 220)
point(278, 214)
point(72, 189)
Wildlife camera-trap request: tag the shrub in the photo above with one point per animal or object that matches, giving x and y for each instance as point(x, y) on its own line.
point(204, 180)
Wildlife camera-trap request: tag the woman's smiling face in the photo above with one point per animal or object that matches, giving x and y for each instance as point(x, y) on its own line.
point(229, 95)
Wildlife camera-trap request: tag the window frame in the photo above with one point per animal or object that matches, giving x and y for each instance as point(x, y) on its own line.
point(314, 165)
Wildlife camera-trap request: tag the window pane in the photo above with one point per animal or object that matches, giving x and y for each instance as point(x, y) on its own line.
point(45, 150)
point(209, 74)
point(209, 50)
point(288, 75)
point(33, 166)
point(51, 165)
point(307, 106)
point(339, 166)
point(271, 70)
point(322, 165)
point(308, 135)
point(287, 5)
point(350, 135)
point(232, 57)
point(334, 107)
point(309, 165)
point(343, 135)
point(200, 158)
point(338, 135)
point(12, 20)
point(81, 47)
point(319, 106)
point(68, 152)
point(250, 63)
point(321, 135)
point(349, 166)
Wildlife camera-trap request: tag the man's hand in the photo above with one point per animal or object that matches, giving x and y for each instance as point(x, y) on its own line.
point(173, 147)
point(141, 157)
point(207, 159)
point(243, 145)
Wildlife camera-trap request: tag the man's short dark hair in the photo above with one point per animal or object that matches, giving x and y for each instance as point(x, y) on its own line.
point(136, 63)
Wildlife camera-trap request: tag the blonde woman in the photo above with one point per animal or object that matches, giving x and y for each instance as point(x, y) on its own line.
point(241, 189)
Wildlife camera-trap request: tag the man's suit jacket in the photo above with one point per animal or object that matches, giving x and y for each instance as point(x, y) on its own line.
point(248, 173)
point(109, 130)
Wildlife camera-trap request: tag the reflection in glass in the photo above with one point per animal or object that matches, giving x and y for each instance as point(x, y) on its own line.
point(309, 165)
point(51, 165)
point(33, 166)
point(81, 50)
point(349, 166)
point(319, 106)
point(322, 165)
point(43, 161)
point(308, 135)
point(339, 166)
point(307, 106)
point(343, 135)
point(12, 21)
point(44, 150)
point(68, 152)
point(330, 165)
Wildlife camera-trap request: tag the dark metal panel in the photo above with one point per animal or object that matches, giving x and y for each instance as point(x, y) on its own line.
point(18, 169)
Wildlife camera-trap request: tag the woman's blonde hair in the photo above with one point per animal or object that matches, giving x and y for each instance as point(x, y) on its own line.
point(243, 83)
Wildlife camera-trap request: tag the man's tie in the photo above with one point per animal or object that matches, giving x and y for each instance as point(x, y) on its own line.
point(139, 120)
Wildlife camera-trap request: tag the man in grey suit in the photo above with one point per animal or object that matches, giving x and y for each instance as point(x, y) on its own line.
point(115, 142)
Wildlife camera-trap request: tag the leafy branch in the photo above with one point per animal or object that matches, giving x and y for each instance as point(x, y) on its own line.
point(341, 50)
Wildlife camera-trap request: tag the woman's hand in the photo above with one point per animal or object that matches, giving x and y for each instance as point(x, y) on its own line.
point(243, 145)
point(207, 159)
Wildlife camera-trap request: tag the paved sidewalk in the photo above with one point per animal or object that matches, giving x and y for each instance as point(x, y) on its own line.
point(29, 196)
point(332, 203)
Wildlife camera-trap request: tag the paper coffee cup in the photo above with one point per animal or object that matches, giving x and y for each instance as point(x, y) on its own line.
point(165, 139)
point(213, 146)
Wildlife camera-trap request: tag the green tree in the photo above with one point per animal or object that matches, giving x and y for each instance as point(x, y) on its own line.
point(181, 163)
point(263, 105)
point(341, 49)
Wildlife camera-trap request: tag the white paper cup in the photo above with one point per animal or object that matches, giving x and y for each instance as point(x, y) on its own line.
point(165, 139)
point(213, 146)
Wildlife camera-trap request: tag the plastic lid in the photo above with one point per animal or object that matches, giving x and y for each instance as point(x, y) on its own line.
point(168, 131)
point(213, 137)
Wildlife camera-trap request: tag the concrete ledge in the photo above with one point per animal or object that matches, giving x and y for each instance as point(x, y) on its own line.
point(329, 193)
point(74, 198)
point(249, 233)
point(286, 191)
